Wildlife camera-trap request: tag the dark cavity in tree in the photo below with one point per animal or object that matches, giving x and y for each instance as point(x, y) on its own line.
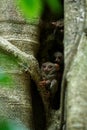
point(51, 41)
point(51, 36)
point(39, 116)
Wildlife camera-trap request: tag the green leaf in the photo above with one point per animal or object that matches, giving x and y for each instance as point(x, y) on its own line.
point(11, 125)
point(4, 77)
point(31, 8)
point(55, 6)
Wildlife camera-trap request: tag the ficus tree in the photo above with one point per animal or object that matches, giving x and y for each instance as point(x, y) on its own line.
point(18, 64)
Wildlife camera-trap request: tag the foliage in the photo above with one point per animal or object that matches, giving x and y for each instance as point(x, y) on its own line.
point(7, 64)
point(4, 77)
point(55, 5)
point(11, 125)
point(31, 8)
point(34, 8)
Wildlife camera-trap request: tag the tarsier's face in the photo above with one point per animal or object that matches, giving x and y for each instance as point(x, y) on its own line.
point(47, 67)
point(58, 57)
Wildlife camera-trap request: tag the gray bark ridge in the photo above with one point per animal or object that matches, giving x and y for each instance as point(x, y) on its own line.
point(75, 76)
point(32, 65)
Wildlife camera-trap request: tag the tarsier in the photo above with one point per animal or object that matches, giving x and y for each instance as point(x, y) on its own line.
point(49, 72)
point(58, 58)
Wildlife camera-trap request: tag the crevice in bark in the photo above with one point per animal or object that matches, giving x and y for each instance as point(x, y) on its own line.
point(39, 117)
point(51, 40)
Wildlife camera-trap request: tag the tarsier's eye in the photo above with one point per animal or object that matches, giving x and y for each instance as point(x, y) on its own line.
point(50, 66)
point(59, 57)
point(44, 66)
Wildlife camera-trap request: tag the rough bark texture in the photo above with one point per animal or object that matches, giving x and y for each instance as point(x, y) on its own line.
point(27, 61)
point(76, 64)
point(15, 96)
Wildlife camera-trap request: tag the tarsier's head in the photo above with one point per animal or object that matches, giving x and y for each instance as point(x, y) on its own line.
point(58, 57)
point(49, 66)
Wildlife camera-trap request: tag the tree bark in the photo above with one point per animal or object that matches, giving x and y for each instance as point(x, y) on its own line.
point(75, 75)
point(15, 95)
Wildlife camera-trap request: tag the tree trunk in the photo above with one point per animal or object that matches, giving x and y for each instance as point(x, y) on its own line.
point(15, 94)
point(75, 75)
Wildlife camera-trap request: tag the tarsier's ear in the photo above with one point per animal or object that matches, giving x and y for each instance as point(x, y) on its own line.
point(57, 67)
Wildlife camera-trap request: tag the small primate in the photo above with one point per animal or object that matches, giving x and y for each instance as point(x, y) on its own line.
point(58, 57)
point(49, 72)
point(59, 60)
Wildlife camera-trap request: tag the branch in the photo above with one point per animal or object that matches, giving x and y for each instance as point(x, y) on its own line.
point(29, 60)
